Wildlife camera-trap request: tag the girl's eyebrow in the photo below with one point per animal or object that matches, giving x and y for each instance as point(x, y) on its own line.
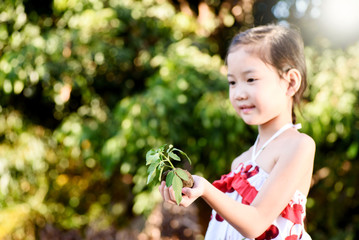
point(249, 71)
point(242, 73)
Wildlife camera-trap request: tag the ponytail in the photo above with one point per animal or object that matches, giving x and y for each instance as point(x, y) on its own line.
point(294, 117)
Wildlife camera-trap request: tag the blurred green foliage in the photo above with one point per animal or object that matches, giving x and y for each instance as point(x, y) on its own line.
point(89, 87)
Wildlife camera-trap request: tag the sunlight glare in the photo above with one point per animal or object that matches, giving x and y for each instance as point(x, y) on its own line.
point(341, 17)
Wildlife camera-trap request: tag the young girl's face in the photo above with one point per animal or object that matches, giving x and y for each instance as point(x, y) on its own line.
point(256, 91)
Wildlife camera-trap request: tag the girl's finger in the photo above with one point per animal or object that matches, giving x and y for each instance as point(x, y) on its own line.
point(167, 195)
point(172, 194)
point(186, 191)
point(161, 189)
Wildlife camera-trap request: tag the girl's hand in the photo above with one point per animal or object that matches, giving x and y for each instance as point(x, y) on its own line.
point(189, 194)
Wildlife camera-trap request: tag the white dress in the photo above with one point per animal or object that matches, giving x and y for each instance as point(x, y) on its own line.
point(243, 185)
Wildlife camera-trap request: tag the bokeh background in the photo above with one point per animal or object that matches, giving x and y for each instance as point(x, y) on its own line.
point(87, 87)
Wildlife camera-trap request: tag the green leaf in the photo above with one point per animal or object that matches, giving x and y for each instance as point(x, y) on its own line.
point(174, 156)
point(152, 156)
point(182, 174)
point(151, 172)
point(151, 176)
point(169, 178)
point(162, 148)
point(177, 187)
point(183, 153)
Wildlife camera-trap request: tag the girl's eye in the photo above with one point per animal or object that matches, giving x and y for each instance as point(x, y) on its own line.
point(231, 83)
point(249, 80)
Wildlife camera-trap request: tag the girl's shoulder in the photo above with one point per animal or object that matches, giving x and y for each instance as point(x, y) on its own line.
point(245, 156)
point(298, 139)
point(297, 142)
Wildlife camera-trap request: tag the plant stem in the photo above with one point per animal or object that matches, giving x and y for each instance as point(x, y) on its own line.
point(166, 165)
point(168, 160)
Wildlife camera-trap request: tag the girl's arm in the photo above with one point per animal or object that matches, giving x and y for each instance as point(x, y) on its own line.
point(294, 166)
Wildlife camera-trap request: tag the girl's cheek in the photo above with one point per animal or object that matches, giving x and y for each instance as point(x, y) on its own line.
point(232, 100)
point(230, 95)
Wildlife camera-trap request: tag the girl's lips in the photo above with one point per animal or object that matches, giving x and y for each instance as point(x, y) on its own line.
point(246, 108)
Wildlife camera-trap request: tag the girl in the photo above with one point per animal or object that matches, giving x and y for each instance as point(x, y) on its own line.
point(264, 195)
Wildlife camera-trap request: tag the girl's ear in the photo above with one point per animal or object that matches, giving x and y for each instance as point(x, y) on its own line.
point(294, 79)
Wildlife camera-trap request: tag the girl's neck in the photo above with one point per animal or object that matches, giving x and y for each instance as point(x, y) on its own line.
point(267, 130)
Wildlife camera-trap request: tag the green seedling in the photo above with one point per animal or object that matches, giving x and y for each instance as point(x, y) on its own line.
point(161, 158)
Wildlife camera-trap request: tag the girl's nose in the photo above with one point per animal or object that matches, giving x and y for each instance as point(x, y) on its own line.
point(240, 93)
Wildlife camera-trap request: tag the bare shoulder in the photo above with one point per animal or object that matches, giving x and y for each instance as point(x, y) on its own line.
point(241, 158)
point(296, 161)
point(300, 144)
point(303, 140)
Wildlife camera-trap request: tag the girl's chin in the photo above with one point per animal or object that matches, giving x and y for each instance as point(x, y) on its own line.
point(250, 121)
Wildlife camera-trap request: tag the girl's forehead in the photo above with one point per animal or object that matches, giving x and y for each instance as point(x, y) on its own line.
point(244, 61)
point(246, 51)
point(260, 50)
point(243, 58)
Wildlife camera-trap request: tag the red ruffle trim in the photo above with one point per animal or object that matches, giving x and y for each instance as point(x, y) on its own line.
point(239, 182)
point(293, 212)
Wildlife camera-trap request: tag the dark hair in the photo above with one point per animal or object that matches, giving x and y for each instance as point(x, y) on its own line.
point(278, 46)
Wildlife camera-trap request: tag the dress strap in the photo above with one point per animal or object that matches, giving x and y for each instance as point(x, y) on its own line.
point(280, 131)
